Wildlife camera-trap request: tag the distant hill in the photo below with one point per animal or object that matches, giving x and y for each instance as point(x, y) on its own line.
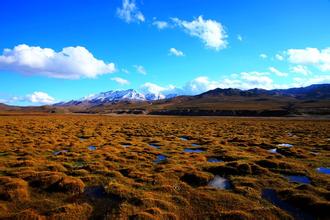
point(311, 100)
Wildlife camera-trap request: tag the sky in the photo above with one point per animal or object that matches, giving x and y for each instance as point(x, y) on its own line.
point(59, 50)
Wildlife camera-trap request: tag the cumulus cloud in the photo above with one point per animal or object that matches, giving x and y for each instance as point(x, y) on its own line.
point(310, 56)
point(160, 24)
point(176, 52)
point(158, 90)
point(279, 57)
point(244, 80)
point(263, 56)
point(140, 69)
point(300, 69)
point(301, 82)
point(40, 98)
point(120, 81)
point(211, 32)
point(277, 72)
point(70, 63)
point(239, 37)
point(129, 12)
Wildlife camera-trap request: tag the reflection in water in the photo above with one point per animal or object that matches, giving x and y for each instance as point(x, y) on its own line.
point(285, 145)
point(220, 183)
point(160, 158)
point(214, 160)
point(184, 138)
point(324, 170)
point(299, 179)
point(60, 152)
point(92, 148)
point(273, 151)
point(271, 196)
point(189, 150)
point(154, 146)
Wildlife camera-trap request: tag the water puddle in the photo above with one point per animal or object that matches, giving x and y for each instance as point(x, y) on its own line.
point(285, 145)
point(271, 196)
point(195, 145)
point(92, 148)
point(197, 150)
point(220, 183)
point(95, 192)
point(59, 152)
point(273, 151)
point(299, 179)
point(154, 145)
point(160, 158)
point(214, 160)
point(323, 170)
point(125, 145)
point(184, 138)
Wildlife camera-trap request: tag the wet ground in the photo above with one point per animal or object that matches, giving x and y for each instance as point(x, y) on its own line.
point(100, 167)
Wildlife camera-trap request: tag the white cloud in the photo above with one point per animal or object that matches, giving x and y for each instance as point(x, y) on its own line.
point(301, 82)
point(244, 80)
point(211, 32)
point(239, 37)
point(310, 56)
point(277, 72)
point(300, 69)
point(140, 69)
point(160, 24)
point(176, 52)
point(279, 57)
point(153, 88)
point(120, 81)
point(159, 91)
point(199, 85)
point(70, 63)
point(263, 56)
point(130, 12)
point(40, 98)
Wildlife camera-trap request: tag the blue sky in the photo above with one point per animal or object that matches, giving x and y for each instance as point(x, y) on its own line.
point(65, 49)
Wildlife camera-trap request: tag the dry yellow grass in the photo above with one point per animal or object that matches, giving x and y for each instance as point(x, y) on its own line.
point(47, 170)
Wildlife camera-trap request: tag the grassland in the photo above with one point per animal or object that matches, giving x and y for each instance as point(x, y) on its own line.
point(47, 170)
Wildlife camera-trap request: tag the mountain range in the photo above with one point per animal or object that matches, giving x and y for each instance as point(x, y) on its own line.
point(310, 100)
point(115, 96)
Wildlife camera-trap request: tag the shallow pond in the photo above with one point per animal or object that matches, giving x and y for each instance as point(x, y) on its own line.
point(154, 145)
point(220, 183)
point(299, 179)
point(160, 158)
point(95, 192)
point(92, 148)
point(271, 196)
point(60, 152)
point(323, 170)
point(214, 160)
point(285, 145)
point(189, 150)
point(273, 151)
point(184, 138)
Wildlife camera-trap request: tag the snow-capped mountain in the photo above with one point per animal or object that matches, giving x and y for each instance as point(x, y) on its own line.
point(114, 96)
point(117, 95)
